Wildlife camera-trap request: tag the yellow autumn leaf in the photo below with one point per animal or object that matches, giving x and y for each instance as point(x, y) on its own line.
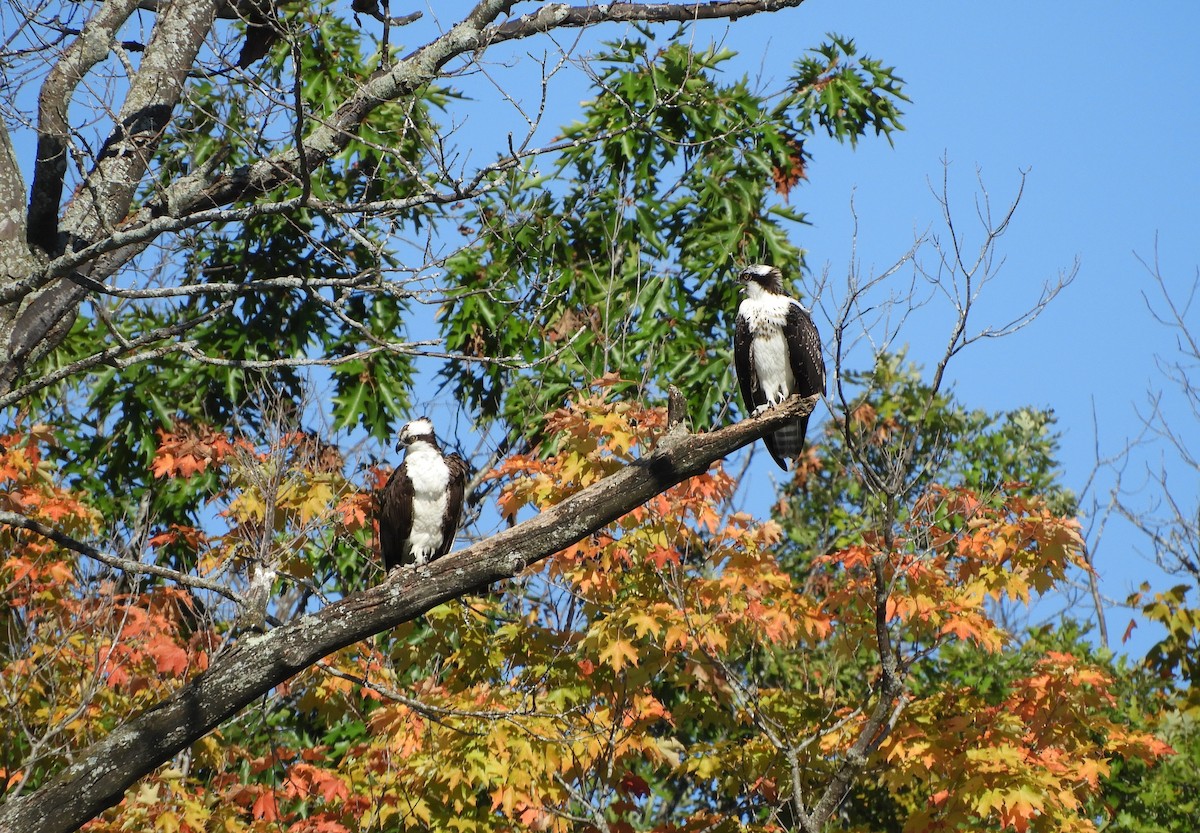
point(618, 653)
point(571, 466)
point(247, 506)
point(315, 501)
point(676, 636)
point(643, 623)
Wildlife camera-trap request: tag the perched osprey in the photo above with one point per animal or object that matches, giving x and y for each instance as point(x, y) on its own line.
point(777, 353)
point(420, 507)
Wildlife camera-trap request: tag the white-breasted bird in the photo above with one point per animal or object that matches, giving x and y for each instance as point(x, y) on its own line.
point(777, 354)
point(420, 507)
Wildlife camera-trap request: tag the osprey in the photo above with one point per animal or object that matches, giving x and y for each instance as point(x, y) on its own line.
point(777, 353)
point(420, 507)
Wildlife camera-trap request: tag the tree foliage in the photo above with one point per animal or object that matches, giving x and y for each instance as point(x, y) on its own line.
point(257, 237)
point(665, 672)
point(827, 505)
point(671, 175)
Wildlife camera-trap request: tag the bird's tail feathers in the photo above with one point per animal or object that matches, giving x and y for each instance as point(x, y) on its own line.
point(788, 441)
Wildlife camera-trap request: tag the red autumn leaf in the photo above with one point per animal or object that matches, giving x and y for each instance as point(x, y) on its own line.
point(634, 785)
point(662, 556)
point(169, 658)
point(1129, 631)
point(355, 510)
point(265, 807)
point(329, 785)
point(163, 465)
point(787, 175)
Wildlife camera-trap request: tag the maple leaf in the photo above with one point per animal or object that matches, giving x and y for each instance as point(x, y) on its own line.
point(190, 464)
point(1020, 808)
point(635, 785)
point(615, 427)
point(660, 557)
point(329, 785)
point(169, 658)
point(572, 466)
point(167, 822)
point(265, 807)
point(313, 501)
point(618, 653)
point(354, 510)
point(643, 623)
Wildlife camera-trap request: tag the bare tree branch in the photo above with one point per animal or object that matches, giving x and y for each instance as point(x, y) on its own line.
point(116, 562)
point(119, 355)
point(1167, 513)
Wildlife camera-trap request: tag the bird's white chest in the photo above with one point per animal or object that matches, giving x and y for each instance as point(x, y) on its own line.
point(430, 477)
point(766, 317)
point(765, 312)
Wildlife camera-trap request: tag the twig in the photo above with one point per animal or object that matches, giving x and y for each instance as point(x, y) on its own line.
point(116, 562)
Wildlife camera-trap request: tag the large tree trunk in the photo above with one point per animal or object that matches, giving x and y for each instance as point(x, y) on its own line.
point(41, 315)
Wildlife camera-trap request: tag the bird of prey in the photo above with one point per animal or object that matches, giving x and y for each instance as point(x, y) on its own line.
point(421, 505)
point(777, 354)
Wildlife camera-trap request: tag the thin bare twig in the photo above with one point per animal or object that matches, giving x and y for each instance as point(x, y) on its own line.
point(116, 562)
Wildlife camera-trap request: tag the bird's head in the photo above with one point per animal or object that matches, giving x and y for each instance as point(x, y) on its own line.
point(766, 277)
point(418, 429)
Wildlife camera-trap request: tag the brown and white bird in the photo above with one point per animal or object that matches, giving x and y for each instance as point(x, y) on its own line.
point(420, 507)
point(777, 353)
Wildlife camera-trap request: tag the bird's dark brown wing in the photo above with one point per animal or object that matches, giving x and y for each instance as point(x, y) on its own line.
point(743, 363)
point(808, 369)
point(804, 352)
point(780, 445)
point(456, 488)
point(395, 519)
